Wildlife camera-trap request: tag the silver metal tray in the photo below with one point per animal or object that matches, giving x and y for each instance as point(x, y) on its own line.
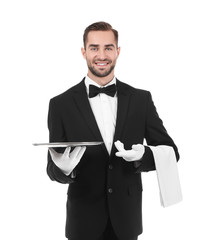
point(67, 144)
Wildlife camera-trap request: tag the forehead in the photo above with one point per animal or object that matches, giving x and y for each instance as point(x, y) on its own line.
point(101, 38)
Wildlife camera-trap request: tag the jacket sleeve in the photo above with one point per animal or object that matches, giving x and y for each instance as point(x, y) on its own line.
point(56, 134)
point(155, 134)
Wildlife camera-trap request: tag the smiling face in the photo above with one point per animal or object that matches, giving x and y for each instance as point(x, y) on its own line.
point(101, 53)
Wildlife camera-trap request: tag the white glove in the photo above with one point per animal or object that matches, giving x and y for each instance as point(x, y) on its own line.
point(134, 154)
point(67, 161)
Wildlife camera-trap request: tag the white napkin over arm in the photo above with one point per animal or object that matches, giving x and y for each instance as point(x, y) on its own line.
point(167, 174)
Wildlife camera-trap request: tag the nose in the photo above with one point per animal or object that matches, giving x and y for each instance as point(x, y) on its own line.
point(101, 54)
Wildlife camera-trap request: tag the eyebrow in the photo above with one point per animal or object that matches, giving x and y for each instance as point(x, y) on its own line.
point(97, 45)
point(109, 45)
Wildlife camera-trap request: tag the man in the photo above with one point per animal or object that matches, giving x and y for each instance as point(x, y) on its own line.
point(105, 189)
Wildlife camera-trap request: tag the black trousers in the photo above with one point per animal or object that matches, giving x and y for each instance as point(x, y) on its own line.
point(109, 234)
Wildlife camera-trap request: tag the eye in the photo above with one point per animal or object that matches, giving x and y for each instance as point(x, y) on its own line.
point(109, 49)
point(94, 49)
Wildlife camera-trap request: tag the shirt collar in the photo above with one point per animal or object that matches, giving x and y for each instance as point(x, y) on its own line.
point(89, 81)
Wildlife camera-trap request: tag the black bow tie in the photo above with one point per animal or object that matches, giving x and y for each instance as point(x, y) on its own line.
point(94, 91)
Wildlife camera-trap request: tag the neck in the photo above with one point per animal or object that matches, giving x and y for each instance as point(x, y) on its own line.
point(102, 81)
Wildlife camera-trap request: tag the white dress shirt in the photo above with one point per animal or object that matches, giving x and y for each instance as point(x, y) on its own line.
point(104, 108)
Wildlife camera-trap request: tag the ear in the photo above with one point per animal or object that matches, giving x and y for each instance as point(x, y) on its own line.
point(83, 52)
point(118, 51)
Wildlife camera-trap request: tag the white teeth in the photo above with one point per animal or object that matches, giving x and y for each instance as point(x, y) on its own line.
point(101, 64)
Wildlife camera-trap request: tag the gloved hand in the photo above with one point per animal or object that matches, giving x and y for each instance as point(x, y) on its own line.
point(67, 161)
point(134, 154)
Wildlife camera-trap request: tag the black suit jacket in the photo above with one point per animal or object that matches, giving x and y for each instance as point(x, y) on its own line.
point(105, 185)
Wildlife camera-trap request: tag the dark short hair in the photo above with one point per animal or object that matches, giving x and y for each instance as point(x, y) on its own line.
point(99, 26)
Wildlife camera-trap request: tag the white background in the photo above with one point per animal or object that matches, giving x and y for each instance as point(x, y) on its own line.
point(167, 47)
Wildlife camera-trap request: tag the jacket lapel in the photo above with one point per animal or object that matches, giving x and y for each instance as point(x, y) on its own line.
point(84, 107)
point(124, 94)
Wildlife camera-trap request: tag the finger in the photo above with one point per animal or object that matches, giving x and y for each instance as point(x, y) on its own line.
point(121, 154)
point(52, 152)
point(67, 151)
point(54, 155)
point(118, 154)
point(81, 152)
point(75, 152)
point(119, 145)
point(125, 155)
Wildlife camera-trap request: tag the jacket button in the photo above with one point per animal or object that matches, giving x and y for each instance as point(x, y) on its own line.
point(110, 190)
point(110, 167)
